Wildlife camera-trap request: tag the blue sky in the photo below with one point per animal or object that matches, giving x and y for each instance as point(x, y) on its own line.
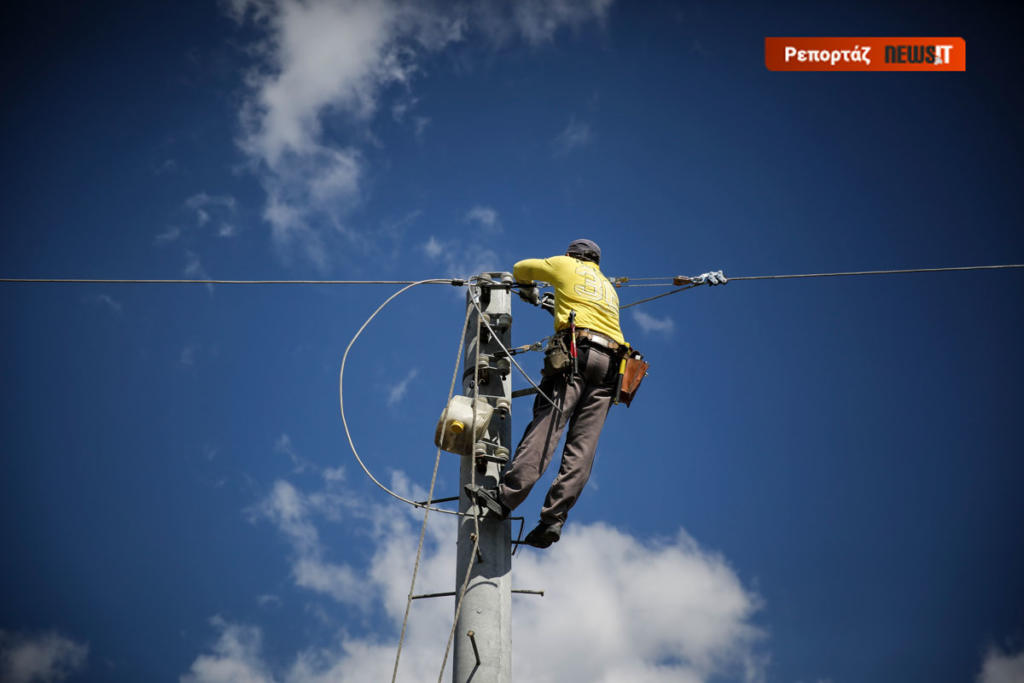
point(820, 480)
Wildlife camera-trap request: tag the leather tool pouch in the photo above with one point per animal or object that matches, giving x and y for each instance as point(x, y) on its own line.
point(633, 372)
point(556, 357)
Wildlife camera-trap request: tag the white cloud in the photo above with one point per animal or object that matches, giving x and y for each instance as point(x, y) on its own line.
point(202, 200)
point(193, 267)
point(169, 235)
point(47, 658)
point(420, 124)
point(620, 609)
point(334, 474)
point(397, 391)
point(194, 270)
point(215, 211)
point(540, 19)
point(459, 258)
point(167, 166)
point(290, 511)
point(616, 608)
point(485, 217)
point(269, 600)
point(284, 445)
point(318, 57)
point(648, 323)
point(187, 356)
point(208, 210)
point(433, 248)
point(576, 134)
point(235, 658)
point(320, 60)
point(108, 301)
point(1002, 667)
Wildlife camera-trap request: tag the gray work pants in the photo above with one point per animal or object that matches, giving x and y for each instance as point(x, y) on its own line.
point(585, 401)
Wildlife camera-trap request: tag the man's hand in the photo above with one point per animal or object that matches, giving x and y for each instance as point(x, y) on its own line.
point(547, 302)
point(529, 294)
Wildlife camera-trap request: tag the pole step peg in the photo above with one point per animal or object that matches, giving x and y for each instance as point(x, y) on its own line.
point(476, 652)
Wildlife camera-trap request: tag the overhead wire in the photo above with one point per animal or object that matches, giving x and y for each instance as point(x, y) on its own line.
point(895, 271)
point(879, 272)
point(344, 420)
point(109, 281)
point(657, 296)
point(620, 281)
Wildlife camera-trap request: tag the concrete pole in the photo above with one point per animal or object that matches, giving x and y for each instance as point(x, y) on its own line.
point(482, 649)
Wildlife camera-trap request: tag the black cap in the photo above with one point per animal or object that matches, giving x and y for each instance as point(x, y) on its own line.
point(586, 249)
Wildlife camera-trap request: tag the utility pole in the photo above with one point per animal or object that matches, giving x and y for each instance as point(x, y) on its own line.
point(483, 630)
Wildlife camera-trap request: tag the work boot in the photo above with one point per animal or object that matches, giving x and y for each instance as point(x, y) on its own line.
point(543, 535)
point(490, 499)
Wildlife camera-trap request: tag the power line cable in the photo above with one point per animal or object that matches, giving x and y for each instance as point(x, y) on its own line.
point(341, 403)
point(108, 281)
point(839, 274)
point(623, 281)
point(878, 272)
point(658, 296)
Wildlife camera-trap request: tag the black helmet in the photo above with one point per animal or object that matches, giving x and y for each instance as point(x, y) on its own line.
point(585, 250)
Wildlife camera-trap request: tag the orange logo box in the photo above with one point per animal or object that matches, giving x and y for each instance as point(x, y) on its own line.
point(865, 54)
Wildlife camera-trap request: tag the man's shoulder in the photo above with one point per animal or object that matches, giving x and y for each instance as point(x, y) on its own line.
point(561, 260)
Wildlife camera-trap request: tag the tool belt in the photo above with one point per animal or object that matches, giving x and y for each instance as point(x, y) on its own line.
point(558, 359)
point(597, 339)
point(632, 367)
point(556, 356)
point(632, 370)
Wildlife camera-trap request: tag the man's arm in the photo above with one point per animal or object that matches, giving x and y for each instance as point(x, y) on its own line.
point(528, 270)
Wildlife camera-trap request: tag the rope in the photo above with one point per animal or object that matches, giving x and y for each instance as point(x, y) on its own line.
point(430, 496)
point(92, 281)
point(508, 353)
point(458, 606)
point(341, 402)
point(472, 483)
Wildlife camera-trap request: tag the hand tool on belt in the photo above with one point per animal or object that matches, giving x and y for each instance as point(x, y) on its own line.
point(572, 344)
point(617, 396)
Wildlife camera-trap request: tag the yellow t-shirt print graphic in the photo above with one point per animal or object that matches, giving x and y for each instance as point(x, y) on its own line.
point(579, 286)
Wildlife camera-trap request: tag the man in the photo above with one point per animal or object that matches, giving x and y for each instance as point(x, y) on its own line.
point(583, 391)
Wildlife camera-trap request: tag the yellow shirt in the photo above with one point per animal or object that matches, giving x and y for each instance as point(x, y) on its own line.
point(579, 286)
